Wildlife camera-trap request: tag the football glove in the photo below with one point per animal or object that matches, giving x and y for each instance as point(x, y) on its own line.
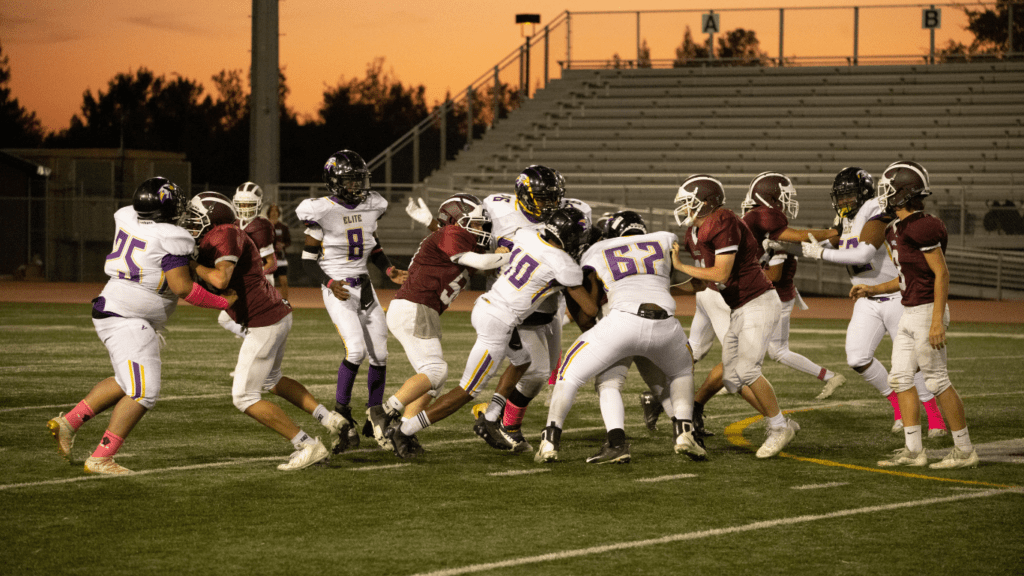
point(812, 249)
point(418, 211)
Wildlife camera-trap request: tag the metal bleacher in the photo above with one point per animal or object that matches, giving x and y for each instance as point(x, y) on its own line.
point(629, 137)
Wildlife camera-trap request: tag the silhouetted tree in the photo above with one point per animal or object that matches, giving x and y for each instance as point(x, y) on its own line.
point(991, 33)
point(19, 128)
point(737, 47)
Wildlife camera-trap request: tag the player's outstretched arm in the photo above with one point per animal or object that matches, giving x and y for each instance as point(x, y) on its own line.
point(179, 280)
point(588, 307)
point(418, 211)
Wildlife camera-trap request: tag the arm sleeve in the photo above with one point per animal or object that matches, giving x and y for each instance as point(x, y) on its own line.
point(481, 261)
point(858, 256)
point(311, 266)
point(378, 257)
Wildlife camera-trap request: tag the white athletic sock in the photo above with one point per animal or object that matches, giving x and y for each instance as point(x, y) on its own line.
point(495, 408)
point(912, 435)
point(878, 376)
point(962, 440)
point(395, 404)
point(799, 362)
point(613, 411)
point(777, 421)
point(301, 438)
point(415, 424)
point(320, 413)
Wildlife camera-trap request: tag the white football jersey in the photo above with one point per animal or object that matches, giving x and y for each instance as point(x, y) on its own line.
point(535, 271)
point(507, 218)
point(346, 233)
point(880, 269)
point(143, 250)
point(634, 270)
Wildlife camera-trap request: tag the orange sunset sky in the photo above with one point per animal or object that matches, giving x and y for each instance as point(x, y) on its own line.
point(58, 49)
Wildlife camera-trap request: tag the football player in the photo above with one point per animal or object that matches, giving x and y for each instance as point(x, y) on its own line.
point(341, 239)
point(917, 242)
point(438, 272)
point(770, 203)
point(282, 240)
point(750, 295)
point(539, 265)
point(248, 200)
point(635, 269)
point(227, 258)
point(149, 270)
point(861, 249)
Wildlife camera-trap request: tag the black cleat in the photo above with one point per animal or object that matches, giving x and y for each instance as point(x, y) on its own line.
point(489, 431)
point(514, 437)
point(343, 441)
point(611, 455)
point(652, 409)
point(404, 447)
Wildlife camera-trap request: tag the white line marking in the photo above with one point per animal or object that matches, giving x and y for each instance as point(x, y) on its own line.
point(519, 472)
point(837, 332)
point(494, 566)
point(664, 478)
point(382, 467)
point(816, 486)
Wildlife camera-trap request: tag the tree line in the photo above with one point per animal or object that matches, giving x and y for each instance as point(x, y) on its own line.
point(144, 110)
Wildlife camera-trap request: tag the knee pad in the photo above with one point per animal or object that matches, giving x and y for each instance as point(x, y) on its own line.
point(900, 384)
point(855, 359)
point(355, 354)
point(437, 373)
point(776, 352)
point(609, 384)
point(244, 400)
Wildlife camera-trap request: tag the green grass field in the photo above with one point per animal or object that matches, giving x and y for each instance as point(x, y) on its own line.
point(209, 500)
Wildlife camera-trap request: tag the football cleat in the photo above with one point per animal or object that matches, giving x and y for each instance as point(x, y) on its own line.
point(777, 440)
point(104, 466)
point(306, 456)
point(343, 439)
point(488, 430)
point(904, 457)
point(957, 458)
point(403, 446)
point(63, 433)
point(686, 443)
point(652, 410)
point(937, 432)
point(379, 422)
point(611, 455)
point(897, 426)
point(514, 436)
point(549, 441)
point(831, 386)
point(699, 431)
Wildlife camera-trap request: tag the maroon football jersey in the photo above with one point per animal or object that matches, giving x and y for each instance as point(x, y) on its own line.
point(723, 232)
point(258, 304)
point(908, 240)
point(261, 231)
point(765, 222)
point(434, 280)
point(703, 259)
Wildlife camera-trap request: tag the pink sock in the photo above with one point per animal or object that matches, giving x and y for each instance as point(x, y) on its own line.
point(513, 415)
point(935, 422)
point(554, 373)
point(108, 446)
point(895, 401)
point(79, 414)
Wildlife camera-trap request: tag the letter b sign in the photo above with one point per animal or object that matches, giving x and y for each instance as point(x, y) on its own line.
point(931, 18)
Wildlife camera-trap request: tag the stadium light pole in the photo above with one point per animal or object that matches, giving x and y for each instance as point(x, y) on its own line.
point(523, 20)
point(264, 109)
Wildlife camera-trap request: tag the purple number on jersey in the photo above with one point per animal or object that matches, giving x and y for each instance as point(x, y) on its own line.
point(620, 266)
point(855, 270)
point(519, 273)
point(355, 244)
point(124, 246)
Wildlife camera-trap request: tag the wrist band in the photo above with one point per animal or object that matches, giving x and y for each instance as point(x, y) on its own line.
point(329, 282)
point(199, 296)
point(389, 270)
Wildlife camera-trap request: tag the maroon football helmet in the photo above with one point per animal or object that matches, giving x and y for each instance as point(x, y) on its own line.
point(773, 190)
point(206, 210)
point(900, 182)
point(465, 210)
point(699, 196)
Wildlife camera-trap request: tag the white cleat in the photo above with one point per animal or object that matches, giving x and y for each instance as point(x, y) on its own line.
point(105, 466)
point(830, 387)
point(686, 444)
point(904, 457)
point(547, 452)
point(778, 438)
point(957, 458)
point(937, 433)
point(306, 456)
point(897, 426)
point(63, 433)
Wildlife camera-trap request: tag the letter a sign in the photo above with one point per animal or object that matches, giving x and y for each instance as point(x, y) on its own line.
point(931, 18)
point(709, 23)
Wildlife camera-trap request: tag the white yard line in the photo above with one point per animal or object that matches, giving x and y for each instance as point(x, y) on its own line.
point(717, 532)
point(520, 472)
point(666, 478)
point(816, 486)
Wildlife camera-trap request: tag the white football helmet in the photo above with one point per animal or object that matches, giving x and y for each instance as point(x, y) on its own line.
point(248, 201)
point(773, 190)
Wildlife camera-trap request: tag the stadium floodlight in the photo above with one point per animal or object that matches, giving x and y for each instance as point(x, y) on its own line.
point(524, 19)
